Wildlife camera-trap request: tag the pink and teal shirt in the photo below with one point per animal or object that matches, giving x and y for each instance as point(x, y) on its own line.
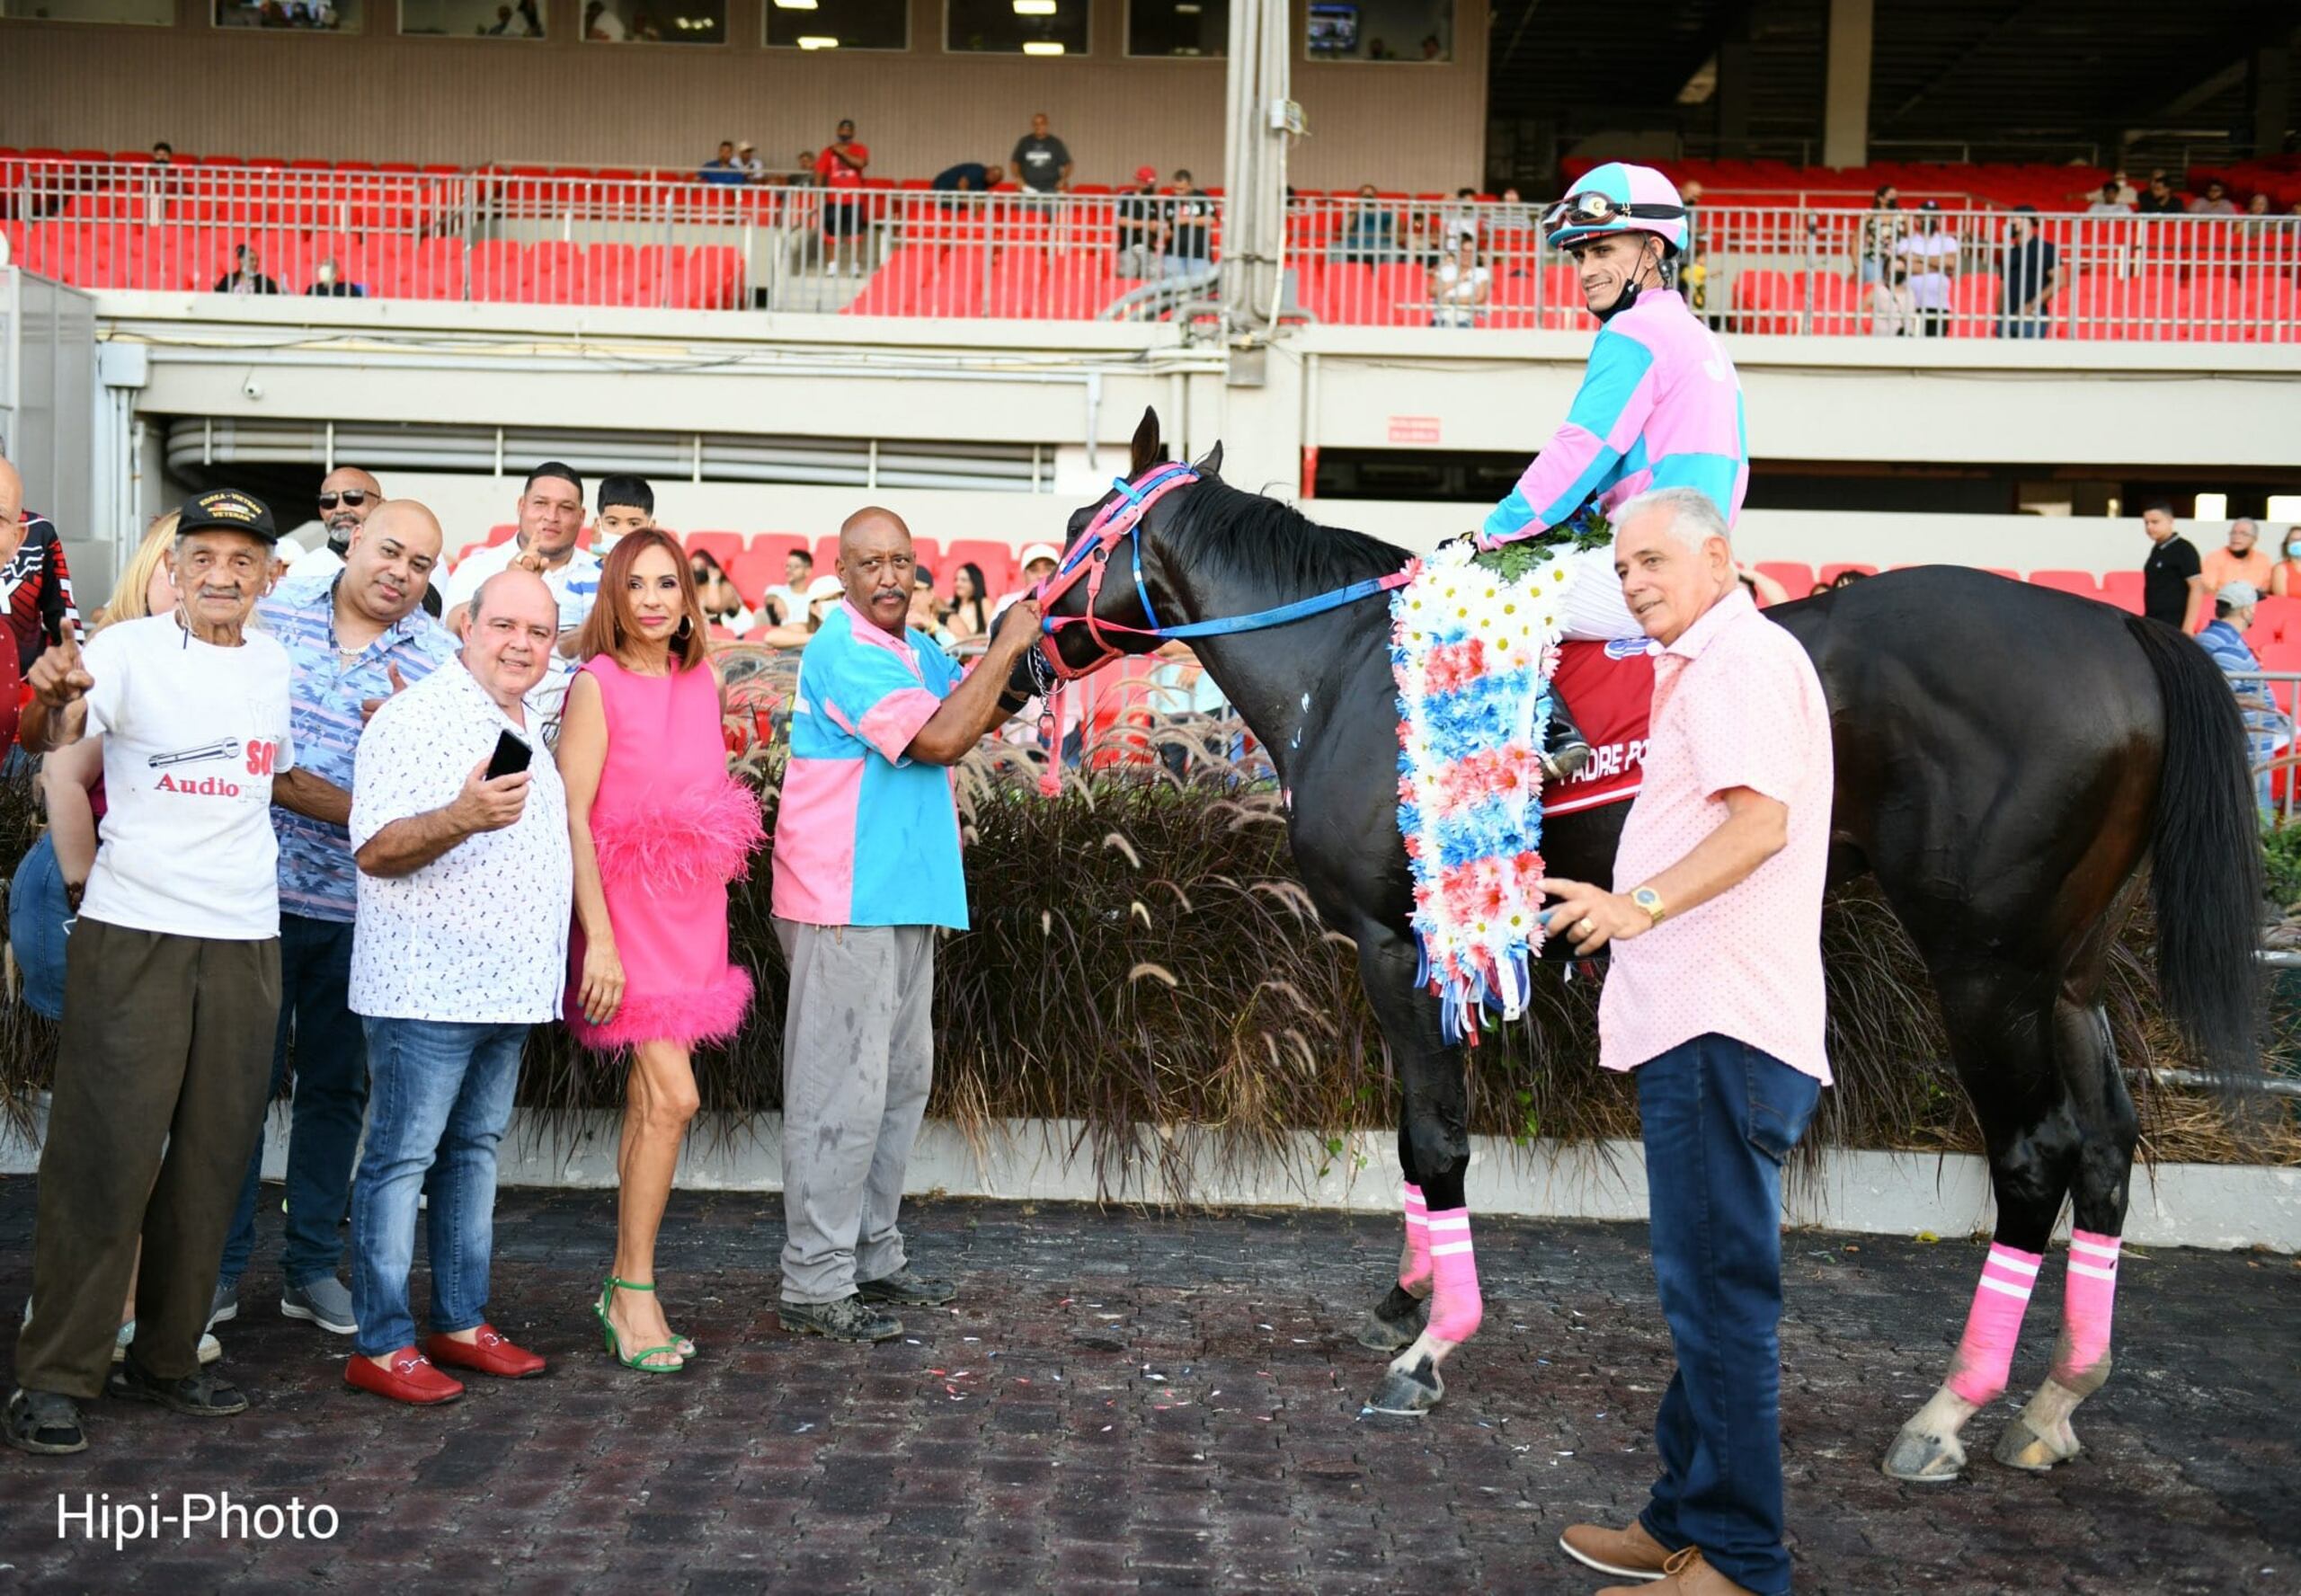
point(864, 836)
point(1659, 407)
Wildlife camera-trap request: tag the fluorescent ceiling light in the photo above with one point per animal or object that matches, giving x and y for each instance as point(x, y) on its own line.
point(817, 41)
point(1187, 9)
point(794, 4)
point(1041, 46)
point(1033, 8)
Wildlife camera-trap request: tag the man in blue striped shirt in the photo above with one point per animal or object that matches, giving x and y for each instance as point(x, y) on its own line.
point(352, 642)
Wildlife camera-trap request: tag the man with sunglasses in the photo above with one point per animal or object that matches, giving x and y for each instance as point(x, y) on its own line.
point(1659, 407)
point(347, 495)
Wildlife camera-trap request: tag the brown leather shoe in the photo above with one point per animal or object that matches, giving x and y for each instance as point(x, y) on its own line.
point(1630, 1552)
point(1685, 1574)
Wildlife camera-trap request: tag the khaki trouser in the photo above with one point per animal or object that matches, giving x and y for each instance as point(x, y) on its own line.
point(859, 1054)
point(160, 1082)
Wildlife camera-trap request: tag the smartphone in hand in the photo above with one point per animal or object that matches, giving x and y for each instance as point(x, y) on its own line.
point(511, 757)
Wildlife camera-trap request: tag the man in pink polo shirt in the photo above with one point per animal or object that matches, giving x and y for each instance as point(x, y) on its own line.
point(1714, 997)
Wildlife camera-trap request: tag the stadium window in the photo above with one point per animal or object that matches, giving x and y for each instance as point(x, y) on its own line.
point(1415, 32)
point(466, 19)
point(1178, 27)
point(1015, 27)
point(154, 13)
point(838, 25)
point(301, 16)
point(675, 21)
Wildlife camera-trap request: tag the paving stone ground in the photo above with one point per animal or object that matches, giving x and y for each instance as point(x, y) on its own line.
point(1126, 1401)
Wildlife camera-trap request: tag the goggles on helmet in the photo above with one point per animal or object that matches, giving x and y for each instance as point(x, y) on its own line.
point(1592, 210)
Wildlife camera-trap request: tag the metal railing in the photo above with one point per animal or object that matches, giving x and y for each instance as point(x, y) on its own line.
point(1813, 264)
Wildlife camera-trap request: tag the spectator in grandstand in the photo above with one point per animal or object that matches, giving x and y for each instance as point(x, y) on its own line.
point(969, 614)
point(328, 283)
point(2224, 637)
point(866, 867)
point(1930, 253)
point(1764, 590)
point(822, 596)
point(35, 581)
point(2213, 201)
point(925, 615)
point(163, 153)
point(1881, 234)
point(1512, 212)
point(839, 169)
point(1690, 196)
point(1893, 314)
point(172, 983)
point(1370, 235)
point(2032, 271)
point(1460, 285)
point(722, 604)
point(1191, 222)
point(627, 505)
point(2125, 193)
point(1459, 220)
point(464, 906)
point(747, 162)
point(2172, 566)
point(2285, 581)
point(2257, 215)
point(550, 511)
point(786, 604)
point(2107, 201)
point(246, 276)
point(2241, 560)
point(720, 168)
point(969, 177)
point(2159, 199)
point(347, 496)
point(1042, 161)
point(1141, 223)
point(658, 830)
point(352, 644)
point(1039, 561)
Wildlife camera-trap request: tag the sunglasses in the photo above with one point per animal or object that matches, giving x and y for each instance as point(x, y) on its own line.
point(1591, 210)
point(353, 497)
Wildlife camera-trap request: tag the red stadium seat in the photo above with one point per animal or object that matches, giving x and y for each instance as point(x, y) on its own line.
point(1830, 573)
point(1764, 301)
point(1796, 577)
point(754, 572)
point(2082, 582)
point(2123, 589)
point(725, 547)
point(996, 561)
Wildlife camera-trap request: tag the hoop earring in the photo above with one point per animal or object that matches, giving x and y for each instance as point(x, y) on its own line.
point(686, 631)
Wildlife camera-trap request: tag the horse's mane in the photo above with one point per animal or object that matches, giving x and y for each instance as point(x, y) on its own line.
point(1224, 533)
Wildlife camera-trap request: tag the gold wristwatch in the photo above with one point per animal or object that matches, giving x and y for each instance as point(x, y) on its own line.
point(1650, 900)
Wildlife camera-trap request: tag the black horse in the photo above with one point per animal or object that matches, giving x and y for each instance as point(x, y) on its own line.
point(2008, 758)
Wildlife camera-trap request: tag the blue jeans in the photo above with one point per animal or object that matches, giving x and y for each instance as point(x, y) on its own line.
point(331, 1098)
point(440, 1097)
point(2012, 324)
point(38, 916)
point(1720, 1116)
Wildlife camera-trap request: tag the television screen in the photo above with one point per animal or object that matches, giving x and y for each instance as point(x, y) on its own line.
point(1334, 30)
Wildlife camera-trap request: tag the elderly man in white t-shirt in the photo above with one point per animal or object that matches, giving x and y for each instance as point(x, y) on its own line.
point(171, 980)
point(459, 830)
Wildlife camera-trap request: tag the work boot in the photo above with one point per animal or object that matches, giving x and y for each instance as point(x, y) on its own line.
point(1566, 751)
point(1629, 1552)
point(1685, 1574)
point(905, 1289)
point(847, 1319)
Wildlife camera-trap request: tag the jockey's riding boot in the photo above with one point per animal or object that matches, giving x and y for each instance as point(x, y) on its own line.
point(1566, 751)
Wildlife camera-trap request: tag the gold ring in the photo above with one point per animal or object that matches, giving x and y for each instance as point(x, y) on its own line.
point(1586, 927)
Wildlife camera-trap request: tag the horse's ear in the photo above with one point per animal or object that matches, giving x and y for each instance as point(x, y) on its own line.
point(1147, 450)
point(1210, 464)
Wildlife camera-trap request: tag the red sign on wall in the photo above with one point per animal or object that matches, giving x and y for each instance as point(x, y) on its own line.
point(1414, 428)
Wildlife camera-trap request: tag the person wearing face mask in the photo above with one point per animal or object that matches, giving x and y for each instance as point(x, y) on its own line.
point(1659, 407)
point(2285, 580)
point(328, 283)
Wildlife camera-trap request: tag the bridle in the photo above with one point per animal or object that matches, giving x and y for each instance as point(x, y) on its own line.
point(1118, 520)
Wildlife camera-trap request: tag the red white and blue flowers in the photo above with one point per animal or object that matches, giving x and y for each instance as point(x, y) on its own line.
point(1473, 651)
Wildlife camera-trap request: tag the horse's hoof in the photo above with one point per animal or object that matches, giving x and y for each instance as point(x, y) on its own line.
point(2022, 1447)
point(1409, 1392)
point(1921, 1458)
point(1395, 1323)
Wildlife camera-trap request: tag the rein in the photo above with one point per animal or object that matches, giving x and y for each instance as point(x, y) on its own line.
point(1089, 559)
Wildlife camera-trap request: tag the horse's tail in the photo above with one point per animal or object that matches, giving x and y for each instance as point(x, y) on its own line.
point(2205, 879)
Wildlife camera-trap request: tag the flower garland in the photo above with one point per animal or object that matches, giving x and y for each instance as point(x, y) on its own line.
point(1472, 650)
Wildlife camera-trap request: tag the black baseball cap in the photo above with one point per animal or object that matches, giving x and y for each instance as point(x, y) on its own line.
point(229, 510)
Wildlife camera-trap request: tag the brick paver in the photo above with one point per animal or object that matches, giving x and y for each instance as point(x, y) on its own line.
point(1124, 1401)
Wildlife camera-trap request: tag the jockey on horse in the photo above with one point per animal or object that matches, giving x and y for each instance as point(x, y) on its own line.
point(1659, 407)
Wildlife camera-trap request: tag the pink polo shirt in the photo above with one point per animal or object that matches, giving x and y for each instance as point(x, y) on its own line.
point(1736, 703)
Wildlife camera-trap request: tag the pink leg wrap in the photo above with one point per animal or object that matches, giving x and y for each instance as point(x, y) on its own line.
point(2086, 1306)
point(1985, 1360)
point(1454, 1305)
point(1414, 1272)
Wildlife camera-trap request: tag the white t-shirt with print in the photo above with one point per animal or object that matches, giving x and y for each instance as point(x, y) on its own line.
point(193, 734)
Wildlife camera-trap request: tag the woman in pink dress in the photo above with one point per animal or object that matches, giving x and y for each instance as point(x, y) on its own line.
point(658, 829)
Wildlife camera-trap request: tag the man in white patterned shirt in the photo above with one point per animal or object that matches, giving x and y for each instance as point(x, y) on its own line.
point(466, 889)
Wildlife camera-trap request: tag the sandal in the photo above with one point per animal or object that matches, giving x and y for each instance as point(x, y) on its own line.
point(637, 1360)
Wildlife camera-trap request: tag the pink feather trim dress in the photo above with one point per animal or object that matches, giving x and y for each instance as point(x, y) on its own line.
point(671, 828)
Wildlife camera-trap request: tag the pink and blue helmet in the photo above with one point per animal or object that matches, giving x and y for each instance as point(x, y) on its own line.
point(1618, 198)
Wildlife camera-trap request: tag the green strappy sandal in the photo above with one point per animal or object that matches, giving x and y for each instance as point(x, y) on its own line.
point(637, 1360)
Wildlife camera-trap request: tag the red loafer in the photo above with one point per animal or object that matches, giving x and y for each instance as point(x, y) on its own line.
point(409, 1378)
point(489, 1351)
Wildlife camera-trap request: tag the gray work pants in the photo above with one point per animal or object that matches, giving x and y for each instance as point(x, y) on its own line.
point(858, 1056)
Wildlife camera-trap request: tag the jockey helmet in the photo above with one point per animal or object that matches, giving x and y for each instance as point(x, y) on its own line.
point(1618, 198)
